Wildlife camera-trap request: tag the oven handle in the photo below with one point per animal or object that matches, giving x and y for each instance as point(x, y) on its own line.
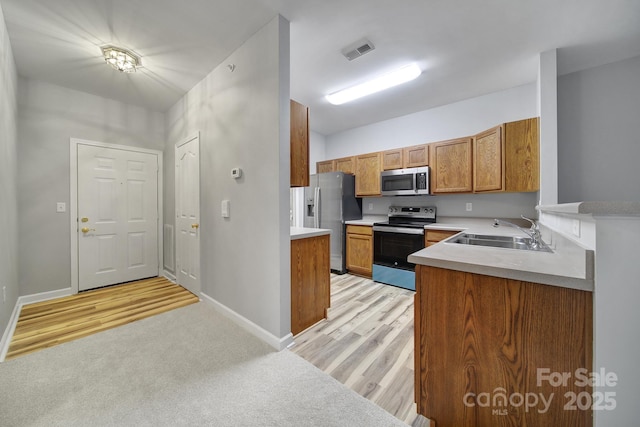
point(400, 230)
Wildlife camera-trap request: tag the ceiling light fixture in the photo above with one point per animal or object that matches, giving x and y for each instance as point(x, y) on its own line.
point(385, 81)
point(121, 59)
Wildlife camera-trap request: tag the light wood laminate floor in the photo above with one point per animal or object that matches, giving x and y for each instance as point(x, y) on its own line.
point(367, 343)
point(53, 322)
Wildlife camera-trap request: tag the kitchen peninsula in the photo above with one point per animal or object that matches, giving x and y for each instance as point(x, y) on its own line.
point(487, 320)
point(310, 277)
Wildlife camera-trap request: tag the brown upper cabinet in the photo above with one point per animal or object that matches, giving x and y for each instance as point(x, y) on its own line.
point(392, 159)
point(504, 158)
point(522, 151)
point(507, 158)
point(416, 156)
point(326, 166)
point(488, 161)
point(346, 165)
point(299, 144)
point(451, 166)
point(407, 157)
point(368, 168)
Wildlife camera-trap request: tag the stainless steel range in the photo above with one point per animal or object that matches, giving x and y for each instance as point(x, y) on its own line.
point(397, 238)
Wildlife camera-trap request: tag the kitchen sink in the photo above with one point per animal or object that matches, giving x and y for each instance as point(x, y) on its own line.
point(508, 242)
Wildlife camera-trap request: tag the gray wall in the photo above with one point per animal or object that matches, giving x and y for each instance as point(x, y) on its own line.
point(243, 120)
point(317, 147)
point(598, 139)
point(8, 178)
point(49, 116)
point(455, 120)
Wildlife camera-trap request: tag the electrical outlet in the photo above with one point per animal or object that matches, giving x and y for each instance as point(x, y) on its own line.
point(4, 294)
point(370, 206)
point(469, 207)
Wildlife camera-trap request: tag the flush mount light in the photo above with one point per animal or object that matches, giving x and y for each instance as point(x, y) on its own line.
point(385, 81)
point(121, 59)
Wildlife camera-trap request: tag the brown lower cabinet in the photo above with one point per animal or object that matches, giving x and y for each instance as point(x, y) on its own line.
point(360, 250)
point(310, 281)
point(489, 351)
point(432, 236)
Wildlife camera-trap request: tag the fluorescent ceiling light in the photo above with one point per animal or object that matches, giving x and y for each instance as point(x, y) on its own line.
point(394, 78)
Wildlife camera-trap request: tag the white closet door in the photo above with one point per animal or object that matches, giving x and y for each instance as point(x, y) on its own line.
point(188, 215)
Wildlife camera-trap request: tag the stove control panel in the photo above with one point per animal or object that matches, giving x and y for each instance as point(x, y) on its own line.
point(423, 212)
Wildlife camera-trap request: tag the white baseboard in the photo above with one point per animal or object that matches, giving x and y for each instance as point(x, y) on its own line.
point(24, 300)
point(44, 296)
point(249, 326)
point(8, 332)
point(170, 277)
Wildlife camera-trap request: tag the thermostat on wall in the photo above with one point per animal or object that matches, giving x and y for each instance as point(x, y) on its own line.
point(236, 173)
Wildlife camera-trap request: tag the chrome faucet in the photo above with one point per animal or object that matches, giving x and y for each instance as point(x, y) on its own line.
point(533, 232)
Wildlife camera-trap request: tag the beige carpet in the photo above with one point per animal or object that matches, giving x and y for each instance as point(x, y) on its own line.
point(190, 367)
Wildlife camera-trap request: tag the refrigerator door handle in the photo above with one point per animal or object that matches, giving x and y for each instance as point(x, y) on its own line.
point(316, 207)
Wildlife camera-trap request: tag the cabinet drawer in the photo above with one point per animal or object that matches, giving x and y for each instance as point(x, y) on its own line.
point(438, 235)
point(360, 229)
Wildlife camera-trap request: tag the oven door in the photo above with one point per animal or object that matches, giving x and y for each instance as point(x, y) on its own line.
point(392, 245)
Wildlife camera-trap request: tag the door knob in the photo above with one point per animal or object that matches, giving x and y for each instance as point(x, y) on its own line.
point(87, 229)
point(195, 225)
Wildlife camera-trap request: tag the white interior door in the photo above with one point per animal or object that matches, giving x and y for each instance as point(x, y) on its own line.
point(188, 214)
point(117, 216)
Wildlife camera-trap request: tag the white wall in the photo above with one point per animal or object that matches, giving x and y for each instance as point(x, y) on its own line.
point(49, 116)
point(598, 142)
point(8, 178)
point(616, 348)
point(317, 149)
point(455, 120)
point(243, 120)
point(548, 113)
point(616, 316)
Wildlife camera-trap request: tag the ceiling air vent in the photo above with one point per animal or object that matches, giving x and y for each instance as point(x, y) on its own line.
point(358, 49)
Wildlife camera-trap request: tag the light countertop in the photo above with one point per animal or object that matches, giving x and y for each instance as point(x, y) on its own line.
point(304, 232)
point(570, 265)
point(595, 208)
point(367, 220)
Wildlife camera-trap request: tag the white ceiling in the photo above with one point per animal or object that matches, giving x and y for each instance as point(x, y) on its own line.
point(466, 48)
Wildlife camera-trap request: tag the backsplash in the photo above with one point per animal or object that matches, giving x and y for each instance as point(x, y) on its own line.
point(500, 205)
point(579, 228)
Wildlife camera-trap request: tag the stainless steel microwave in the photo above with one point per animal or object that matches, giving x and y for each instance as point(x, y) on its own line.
point(405, 182)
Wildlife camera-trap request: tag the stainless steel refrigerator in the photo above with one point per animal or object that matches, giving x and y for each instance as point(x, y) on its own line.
point(329, 201)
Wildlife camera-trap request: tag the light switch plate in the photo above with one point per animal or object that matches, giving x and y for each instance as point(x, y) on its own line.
point(224, 208)
point(61, 207)
point(469, 207)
